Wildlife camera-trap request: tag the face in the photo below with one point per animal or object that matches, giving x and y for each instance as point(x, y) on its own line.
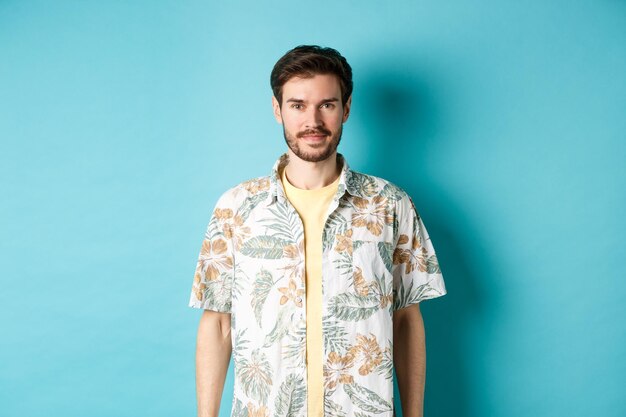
point(312, 116)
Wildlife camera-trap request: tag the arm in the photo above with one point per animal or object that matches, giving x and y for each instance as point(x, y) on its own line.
point(213, 351)
point(409, 357)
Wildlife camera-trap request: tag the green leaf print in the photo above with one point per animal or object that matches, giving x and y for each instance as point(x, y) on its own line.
point(385, 249)
point(356, 244)
point(219, 292)
point(335, 335)
point(332, 409)
point(264, 247)
point(283, 323)
point(365, 183)
point(343, 263)
point(213, 229)
point(366, 399)
point(284, 223)
point(392, 192)
point(432, 265)
point(395, 226)
point(262, 287)
point(255, 376)
point(295, 349)
point(249, 204)
point(291, 397)
point(408, 296)
point(336, 224)
point(349, 306)
point(239, 409)
point(240, 345)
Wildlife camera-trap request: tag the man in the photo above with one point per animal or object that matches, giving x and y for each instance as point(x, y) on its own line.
point(311, 277)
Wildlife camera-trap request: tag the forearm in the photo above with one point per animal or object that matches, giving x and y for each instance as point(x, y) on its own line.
point(409, 356)
point(213, 352)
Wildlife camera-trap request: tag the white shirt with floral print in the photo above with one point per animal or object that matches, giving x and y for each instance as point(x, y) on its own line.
point(377, 258)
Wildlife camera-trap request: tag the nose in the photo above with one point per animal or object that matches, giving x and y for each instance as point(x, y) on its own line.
point(313, 118)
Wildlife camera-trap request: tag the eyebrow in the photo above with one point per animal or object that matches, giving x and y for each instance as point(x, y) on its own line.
point(326, 100)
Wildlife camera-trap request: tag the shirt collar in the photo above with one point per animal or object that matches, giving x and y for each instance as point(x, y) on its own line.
point(346, 182)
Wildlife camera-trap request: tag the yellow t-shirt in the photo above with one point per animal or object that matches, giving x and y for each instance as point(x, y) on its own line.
point(311, 205)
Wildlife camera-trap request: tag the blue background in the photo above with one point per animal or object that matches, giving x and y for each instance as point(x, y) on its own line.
point(122, 122)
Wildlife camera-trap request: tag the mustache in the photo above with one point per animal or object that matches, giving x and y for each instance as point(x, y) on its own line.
point(319, 131)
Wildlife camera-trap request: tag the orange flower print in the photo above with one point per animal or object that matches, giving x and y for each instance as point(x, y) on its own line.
point(411, 257)
point(344, 242)
point(223, 214)
point(385, 300)
point(213, 258)
point(294, 258)
point(291, 252)
point(367, 352)
point(290, 293)
point(199, 288)
point(337, 369)
point(256, 185)
point(232, 225)
point(236, 231)
point(260, 411)
point(371, 214)
point(361, 287)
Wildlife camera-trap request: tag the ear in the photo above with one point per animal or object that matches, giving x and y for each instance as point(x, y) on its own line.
point(276, 106)
point(346, 109)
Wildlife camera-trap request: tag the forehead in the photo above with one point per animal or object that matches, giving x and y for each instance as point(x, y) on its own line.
point(311, 88)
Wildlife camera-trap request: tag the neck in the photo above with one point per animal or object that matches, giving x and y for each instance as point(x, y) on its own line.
point(312, 175)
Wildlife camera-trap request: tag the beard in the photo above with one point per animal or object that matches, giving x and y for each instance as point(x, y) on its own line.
point(321, 153)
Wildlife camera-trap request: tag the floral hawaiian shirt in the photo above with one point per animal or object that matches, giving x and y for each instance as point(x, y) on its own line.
point(377, 258)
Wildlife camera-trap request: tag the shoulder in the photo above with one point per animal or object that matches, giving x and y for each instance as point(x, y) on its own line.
point(380, 189)
point(237, 194)
point(369, 186)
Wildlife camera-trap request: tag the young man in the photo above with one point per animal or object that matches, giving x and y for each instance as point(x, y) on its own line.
point(311, 277)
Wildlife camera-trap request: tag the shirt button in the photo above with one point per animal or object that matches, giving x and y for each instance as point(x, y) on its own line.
point(299, 299)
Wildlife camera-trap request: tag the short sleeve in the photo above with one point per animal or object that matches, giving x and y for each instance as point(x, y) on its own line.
point(416, 272)
point(213, 278)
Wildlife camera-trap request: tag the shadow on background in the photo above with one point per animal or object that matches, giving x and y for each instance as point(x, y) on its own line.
point(403, 119)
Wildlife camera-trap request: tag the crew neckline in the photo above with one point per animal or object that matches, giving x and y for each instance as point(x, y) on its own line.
point(322, 190)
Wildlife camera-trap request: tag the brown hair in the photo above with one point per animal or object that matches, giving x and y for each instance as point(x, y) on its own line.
point(308, 60)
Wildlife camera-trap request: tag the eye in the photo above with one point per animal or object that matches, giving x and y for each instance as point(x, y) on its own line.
point(328, 105)
point(296, 106)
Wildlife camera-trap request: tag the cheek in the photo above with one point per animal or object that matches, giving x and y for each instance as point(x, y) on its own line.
point(291, 122)
point(291, 116)
point(292, 125)
point(334, 120)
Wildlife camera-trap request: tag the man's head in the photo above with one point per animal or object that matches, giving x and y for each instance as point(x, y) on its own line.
point(312, 89)
point(307, 60)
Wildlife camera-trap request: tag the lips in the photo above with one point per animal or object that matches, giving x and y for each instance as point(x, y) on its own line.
point(313, 137)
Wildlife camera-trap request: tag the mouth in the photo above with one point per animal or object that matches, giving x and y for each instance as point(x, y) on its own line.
point(313, 138)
